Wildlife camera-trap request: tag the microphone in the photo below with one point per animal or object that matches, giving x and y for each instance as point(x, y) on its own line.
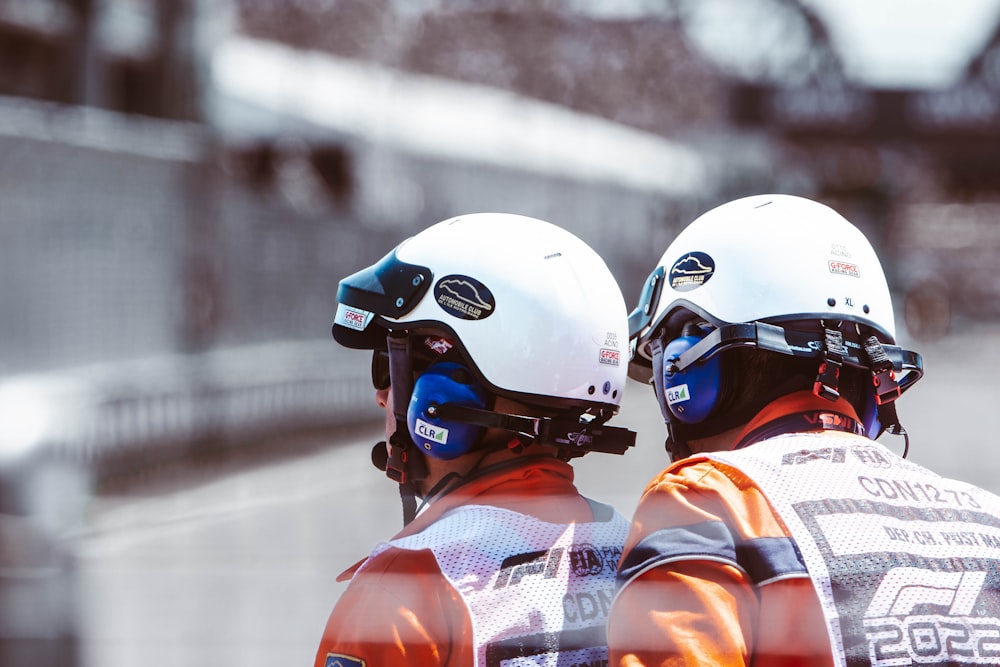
point(380, 455)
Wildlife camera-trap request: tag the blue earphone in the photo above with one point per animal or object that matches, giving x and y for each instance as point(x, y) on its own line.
point(690, 395)
point(443, 383)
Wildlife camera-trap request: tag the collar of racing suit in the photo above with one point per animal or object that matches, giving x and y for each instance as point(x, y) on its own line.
point(534, 487)
point(799, 412)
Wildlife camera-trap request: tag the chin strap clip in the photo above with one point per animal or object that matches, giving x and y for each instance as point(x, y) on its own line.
point(827, 384)
point(883, 375)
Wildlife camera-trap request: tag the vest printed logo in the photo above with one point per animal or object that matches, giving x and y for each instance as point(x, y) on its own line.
point(515, 568)
point(337, 660)
point(871, 457)
point(906, 562)
point(832, 454)
point(920, 616)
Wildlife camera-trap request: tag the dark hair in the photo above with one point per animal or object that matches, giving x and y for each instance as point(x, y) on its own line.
point(756, 377)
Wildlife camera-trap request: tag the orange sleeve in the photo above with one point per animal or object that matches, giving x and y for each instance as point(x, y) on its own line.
point(688, 614)
point(399, 610)
point(711, 577)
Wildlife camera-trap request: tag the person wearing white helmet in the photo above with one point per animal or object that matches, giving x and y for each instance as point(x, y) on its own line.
point(499, 352)
point(782, 533)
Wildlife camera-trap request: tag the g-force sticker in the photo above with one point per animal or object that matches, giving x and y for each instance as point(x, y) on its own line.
point(610, 357)
point(464, 297)
point(691, 271)
point(844, 268)
point(352, 318)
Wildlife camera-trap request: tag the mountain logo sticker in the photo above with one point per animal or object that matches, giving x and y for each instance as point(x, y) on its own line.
point(691, 271)
point(464, 297)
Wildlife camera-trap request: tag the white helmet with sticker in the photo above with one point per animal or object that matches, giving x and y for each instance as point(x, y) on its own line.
point(784, 275)
point(767, 258)
point(535, 310)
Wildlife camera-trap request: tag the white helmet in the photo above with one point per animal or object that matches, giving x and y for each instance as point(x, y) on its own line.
point(537, 311)
point(772, 258)
point(776, 272)
point(530, 310)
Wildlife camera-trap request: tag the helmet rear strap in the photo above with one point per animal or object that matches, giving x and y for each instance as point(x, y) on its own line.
point(827, 384)
point(405, 464)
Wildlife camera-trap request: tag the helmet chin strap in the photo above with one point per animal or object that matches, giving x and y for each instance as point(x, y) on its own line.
point(404, 463)
point(675, 445)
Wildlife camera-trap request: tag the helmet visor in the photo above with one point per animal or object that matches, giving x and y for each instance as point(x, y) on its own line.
point(390, 288)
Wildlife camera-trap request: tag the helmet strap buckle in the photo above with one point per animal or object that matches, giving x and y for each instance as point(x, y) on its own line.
point(883, 374)
point(827, 384)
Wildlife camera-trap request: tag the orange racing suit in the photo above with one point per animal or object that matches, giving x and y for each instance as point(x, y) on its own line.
point(896, 566)
point(401, 609)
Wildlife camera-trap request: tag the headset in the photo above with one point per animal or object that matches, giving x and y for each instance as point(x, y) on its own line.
point(693, 373)
point(444, 383)
point(692, 394)
point(447, 411)
point(448, 407)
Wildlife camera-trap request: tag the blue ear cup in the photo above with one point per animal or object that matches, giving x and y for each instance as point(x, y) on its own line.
point(444, 383)
point(690, 395)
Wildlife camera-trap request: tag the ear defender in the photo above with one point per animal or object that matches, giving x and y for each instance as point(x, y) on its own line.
point(693, 393)
point(444, 383)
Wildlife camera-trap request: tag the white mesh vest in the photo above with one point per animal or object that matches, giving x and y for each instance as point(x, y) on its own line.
point(906, 563)
point(538, 593)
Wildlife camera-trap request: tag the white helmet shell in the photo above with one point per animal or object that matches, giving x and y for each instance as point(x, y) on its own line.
point(536, 310)
point(771, 258)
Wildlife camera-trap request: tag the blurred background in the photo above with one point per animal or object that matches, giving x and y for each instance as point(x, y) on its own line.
point(184, 451)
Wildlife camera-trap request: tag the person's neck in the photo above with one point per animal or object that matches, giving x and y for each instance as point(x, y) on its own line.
point(471, 465)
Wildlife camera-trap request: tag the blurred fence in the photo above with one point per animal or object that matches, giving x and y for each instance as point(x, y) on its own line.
point(120, 416)
point(90, 233)
point(148, 300)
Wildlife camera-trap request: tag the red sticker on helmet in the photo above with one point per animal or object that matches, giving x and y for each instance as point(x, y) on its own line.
point(844, 268)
